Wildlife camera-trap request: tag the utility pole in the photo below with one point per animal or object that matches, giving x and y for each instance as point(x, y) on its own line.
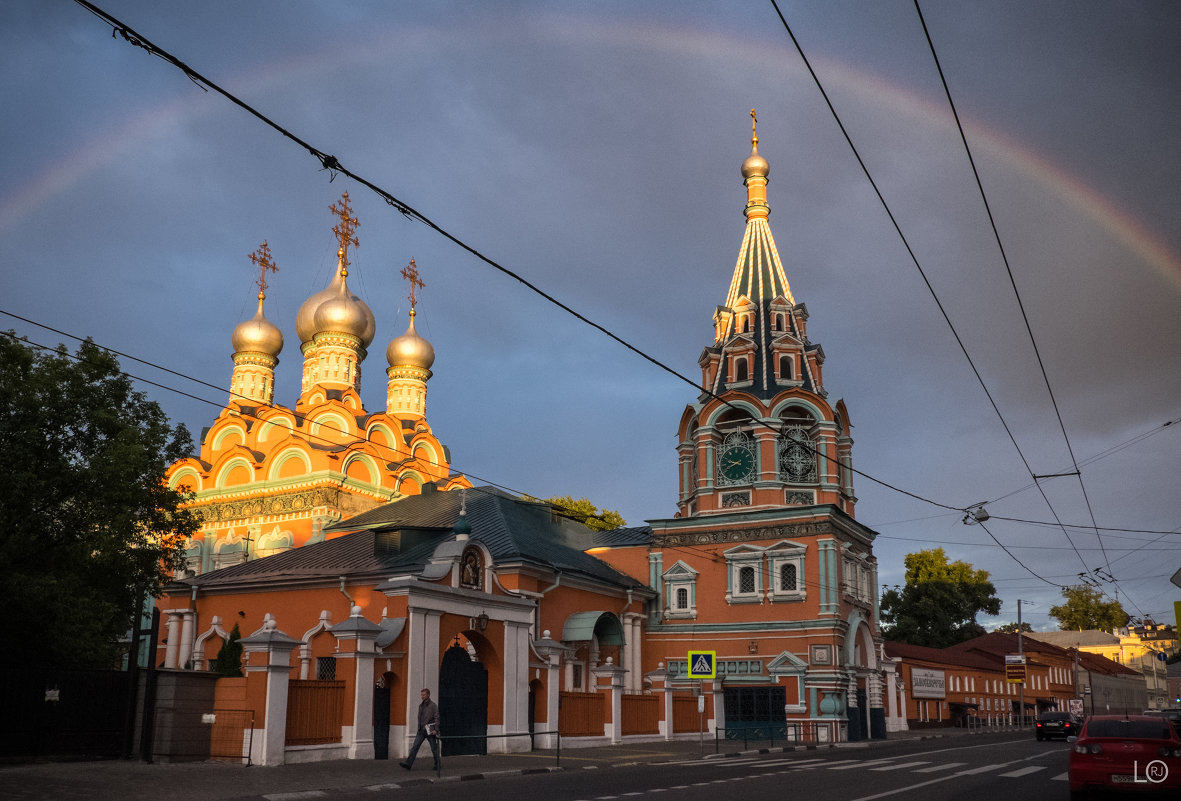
point(1025, 673)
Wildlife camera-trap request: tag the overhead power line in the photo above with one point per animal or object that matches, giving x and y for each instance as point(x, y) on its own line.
point(333, 165)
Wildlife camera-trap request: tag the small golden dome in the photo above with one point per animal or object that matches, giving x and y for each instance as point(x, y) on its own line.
point(258, 334)
point(410, 350)
point(755, 165)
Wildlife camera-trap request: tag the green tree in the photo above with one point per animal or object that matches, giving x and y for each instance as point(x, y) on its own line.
point(229, 658)
point(1086, 609)
point(938, 605)
point(1013, 628)
point(586, 513)
point(87, 525)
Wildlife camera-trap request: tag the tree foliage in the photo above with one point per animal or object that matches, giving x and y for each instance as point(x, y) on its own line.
point(587, 513)
point(87, 525)
point(938, 605)
point(1013, 628)
point(1086, 609)
point(229, 658)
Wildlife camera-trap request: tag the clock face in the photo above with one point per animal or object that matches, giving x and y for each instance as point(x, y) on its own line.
point(737, 464)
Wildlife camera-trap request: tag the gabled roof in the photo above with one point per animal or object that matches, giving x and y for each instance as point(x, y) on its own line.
point(1101, 664)
point(997, 644)
point(399, 538)
point(940, 656)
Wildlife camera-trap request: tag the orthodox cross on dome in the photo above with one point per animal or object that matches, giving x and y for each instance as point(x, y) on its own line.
point(754, 128)
point(410, 273)
point(261, 259)
point(345, 230)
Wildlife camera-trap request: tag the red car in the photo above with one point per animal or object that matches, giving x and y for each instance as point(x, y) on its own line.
point(1136, 753)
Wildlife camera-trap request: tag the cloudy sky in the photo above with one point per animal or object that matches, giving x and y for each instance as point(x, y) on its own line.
point(594, 150)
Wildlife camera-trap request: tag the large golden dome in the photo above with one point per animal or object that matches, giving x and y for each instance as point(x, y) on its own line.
point(257, 335)
point(306, 326)
point(345, 313)
point(410, 350)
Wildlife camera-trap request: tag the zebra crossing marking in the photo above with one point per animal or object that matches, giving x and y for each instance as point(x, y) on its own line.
point(902, 765)
point(944, 766)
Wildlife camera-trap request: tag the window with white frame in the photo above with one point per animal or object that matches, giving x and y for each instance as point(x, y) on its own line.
point(680, 592)
point(744, 575)
point(785, 566)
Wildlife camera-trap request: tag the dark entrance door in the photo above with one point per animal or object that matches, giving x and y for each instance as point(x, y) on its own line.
point(463, 703)
point(381, 721)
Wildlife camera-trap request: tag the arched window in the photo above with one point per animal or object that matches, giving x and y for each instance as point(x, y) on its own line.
point(787, 577)
point(785, 368)
point(740, 370)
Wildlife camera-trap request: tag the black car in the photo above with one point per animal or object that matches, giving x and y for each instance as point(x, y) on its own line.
point(1056, 724)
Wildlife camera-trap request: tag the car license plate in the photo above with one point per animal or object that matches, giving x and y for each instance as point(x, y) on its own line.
point(1119, 778)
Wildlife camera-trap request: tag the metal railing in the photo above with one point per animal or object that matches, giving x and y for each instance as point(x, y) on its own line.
point(793, 733)
point(486, 737)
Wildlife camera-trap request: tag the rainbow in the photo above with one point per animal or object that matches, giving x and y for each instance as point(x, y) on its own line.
point(107, 146)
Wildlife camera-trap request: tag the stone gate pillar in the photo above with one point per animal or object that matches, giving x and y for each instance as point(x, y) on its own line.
point(609, 678)
point(356, 637)
point(268, 661)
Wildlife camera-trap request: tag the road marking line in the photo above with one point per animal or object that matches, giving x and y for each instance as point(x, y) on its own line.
point(944, 766)
point(1061, 777)
point(902, 765)
point(982, 769)
point(1017, 774)
point(858, 764)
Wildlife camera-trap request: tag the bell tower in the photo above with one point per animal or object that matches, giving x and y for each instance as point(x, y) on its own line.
point(762, 434)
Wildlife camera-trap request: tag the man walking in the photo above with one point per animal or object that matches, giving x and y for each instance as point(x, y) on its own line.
point(428, 729)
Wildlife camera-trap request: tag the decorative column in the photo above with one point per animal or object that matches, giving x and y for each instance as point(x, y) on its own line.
point(186, 639)
point(268, 659)
point(609, 678)
point(515, 688)
point(356, 637)
point(172, 647)
point(659, 679)
point(422, 666)
point(550, 651)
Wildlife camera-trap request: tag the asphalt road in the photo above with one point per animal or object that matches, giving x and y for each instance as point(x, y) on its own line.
point(967, 769)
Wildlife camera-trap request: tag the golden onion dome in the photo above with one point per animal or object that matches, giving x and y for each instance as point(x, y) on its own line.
point(755, 164)
point(258, 334)
point(345, 313)
point(410, 350)
point(306, 326)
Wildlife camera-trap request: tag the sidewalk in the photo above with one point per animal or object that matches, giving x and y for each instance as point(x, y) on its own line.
point(216, 781)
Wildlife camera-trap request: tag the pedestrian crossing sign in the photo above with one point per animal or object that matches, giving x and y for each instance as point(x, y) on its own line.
point(703, 664)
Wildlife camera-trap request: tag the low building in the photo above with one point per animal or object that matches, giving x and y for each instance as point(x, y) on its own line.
point(1142, 650)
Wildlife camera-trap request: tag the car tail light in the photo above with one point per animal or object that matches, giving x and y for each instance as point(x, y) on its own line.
point(1088, 748)
point(1168, 751)
point(1039, 724)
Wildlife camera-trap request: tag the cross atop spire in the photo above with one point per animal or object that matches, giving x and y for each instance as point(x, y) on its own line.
point(345, 230)
point(754, 129)
point(261, 259)
point(410, 273)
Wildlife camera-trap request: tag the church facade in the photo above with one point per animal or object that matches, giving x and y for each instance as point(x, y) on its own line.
point(269, 477)
point(385, 573)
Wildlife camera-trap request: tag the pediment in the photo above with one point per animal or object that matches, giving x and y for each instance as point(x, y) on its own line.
point(679, 570)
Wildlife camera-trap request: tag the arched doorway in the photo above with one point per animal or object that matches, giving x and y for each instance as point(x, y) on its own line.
point(463, 703)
